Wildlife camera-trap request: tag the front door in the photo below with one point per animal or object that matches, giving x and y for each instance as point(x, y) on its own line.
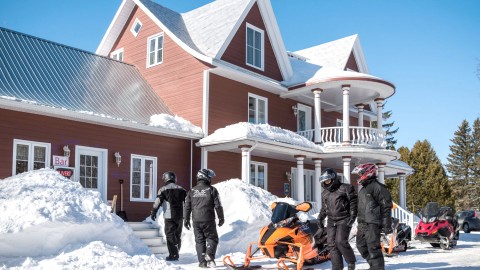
point(91, 169)
point(304, 121)
point(308, 185)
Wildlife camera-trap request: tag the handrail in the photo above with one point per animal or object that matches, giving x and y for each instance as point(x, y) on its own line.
point(359, 136)
point(403, 215)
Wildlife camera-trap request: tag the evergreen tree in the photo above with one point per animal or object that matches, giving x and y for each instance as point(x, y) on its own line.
point(388, 128)
point(429, 182)
point(476, 163)
point(393, 184)
point(460, 157)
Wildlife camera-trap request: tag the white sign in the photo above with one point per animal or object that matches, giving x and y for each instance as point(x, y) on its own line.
point(60, 161)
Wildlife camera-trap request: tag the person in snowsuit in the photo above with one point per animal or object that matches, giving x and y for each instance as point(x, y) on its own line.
point(171, 197)
point(339, 204)
point(374, 215)
point(201, 203)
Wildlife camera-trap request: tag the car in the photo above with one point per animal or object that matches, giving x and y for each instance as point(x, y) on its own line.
point(469, 220)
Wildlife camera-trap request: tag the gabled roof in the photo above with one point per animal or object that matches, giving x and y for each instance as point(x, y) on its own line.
point(204, 32)
point(335, 54)
point(46, 74)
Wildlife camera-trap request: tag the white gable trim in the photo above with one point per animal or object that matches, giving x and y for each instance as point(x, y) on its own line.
point(359, 56)
point(115, 28)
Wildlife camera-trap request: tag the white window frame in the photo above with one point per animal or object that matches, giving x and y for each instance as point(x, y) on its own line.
point(257, 98)
point(262, 53)
point(142, 178)
point(135, 23)
point(31, 145)
point(156, 49)
point(116, 55)
point(265, 180)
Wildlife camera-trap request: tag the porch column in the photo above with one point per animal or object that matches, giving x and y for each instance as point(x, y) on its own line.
point(346, 114)
point(402, 190)
point(360, 114)
point(381, 173)
point(318, 172)
point(245, 162)
point(300, 182)
point(346, 169)
point(379, 113)
point(318, 114)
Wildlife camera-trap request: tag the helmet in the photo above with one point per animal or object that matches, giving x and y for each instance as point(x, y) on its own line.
point(365, 171)
point(206, 175)
point(329, 174)
point(169, 176)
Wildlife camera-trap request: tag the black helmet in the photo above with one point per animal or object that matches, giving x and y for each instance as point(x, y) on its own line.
point(206, 175)
point(328, 174)
point(169, 176)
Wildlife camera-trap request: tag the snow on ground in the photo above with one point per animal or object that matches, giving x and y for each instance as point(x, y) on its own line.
point(49, 222)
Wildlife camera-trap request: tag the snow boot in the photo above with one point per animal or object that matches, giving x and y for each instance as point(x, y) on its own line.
point(351, 266)
point(171, 258)
point(210, 261)
point(202, 265)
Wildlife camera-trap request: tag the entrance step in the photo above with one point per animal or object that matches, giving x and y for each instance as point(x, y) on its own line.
point(151, 237)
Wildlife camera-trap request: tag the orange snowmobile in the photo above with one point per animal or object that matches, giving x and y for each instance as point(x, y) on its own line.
point(287, 239)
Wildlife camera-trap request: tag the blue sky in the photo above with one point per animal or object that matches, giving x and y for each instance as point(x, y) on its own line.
point(429, 49)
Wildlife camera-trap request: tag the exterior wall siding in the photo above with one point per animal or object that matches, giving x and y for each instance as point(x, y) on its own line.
point(172, 154)
point(235, 53)
point(178, 80)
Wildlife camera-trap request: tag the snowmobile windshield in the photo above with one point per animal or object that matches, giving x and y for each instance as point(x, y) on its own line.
point(432, 209)
point(282, 211)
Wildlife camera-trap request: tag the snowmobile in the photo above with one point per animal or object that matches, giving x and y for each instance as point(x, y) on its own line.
point(398, 240)
point(438, 226)
point(287, 239)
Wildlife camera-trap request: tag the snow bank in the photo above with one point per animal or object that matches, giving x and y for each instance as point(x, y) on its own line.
point(174, 122)
point(43, 212)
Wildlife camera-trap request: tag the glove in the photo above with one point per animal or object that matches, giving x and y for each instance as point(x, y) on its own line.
point(153, 215)
point(220, 222)
point(187, 224)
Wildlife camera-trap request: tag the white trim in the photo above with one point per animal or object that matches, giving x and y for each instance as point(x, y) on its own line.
point(142, 177)
point(155, 37)
point(117, 53)
point(265, 180)
point(135, 23)
point(30, 161)
point(257, 98)
point(205, 103)
point(115, 28)
point(359, 56)
point(104, 172)
point(18, 106)
point(262, 49)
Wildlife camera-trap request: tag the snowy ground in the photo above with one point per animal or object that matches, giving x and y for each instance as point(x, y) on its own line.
point(49, 222)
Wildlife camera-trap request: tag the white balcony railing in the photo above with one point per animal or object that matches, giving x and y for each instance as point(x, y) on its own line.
point(360, 136)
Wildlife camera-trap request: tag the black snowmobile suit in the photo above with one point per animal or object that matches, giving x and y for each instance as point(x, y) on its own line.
point(171, 197)
point(202, 202)
point(374, 213)
point(339, 203)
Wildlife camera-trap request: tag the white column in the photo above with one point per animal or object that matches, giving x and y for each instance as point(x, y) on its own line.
point(204, 158)
point(300, 183)
point(360, 114)
point(318, 114)
point(379, 113)
point(402, 190)
point(318, 172)
point(346, 114)
point(346, 169)
point(381, 173)
point(245, 162)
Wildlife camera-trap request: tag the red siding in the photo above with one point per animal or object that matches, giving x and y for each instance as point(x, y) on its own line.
point(235, 52)
point(172, 154)
point(178, 80)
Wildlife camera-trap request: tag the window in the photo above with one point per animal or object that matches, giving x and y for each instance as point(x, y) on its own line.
point(155, 50)
point(137, 25)
point(258, 174)
point(143, 178)
point(28, 155)
point(257, 109)
point(254, 47)
point(117, 55)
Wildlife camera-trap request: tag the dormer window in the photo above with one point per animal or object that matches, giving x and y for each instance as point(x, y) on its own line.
point(137, 25)
point(254, 47)
point(117, 55)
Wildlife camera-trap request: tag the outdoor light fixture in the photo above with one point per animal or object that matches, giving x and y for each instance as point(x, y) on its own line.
point(118, 158)
point(295, 110)
point(66, 151)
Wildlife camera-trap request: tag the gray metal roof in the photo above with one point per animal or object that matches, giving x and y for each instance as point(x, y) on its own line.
point(55, 75)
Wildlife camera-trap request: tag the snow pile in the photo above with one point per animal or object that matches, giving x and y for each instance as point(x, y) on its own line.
point(174, 123)
point(250, 131)
point(43, 212)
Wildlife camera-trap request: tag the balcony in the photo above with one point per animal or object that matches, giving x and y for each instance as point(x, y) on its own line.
point(359, 136)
